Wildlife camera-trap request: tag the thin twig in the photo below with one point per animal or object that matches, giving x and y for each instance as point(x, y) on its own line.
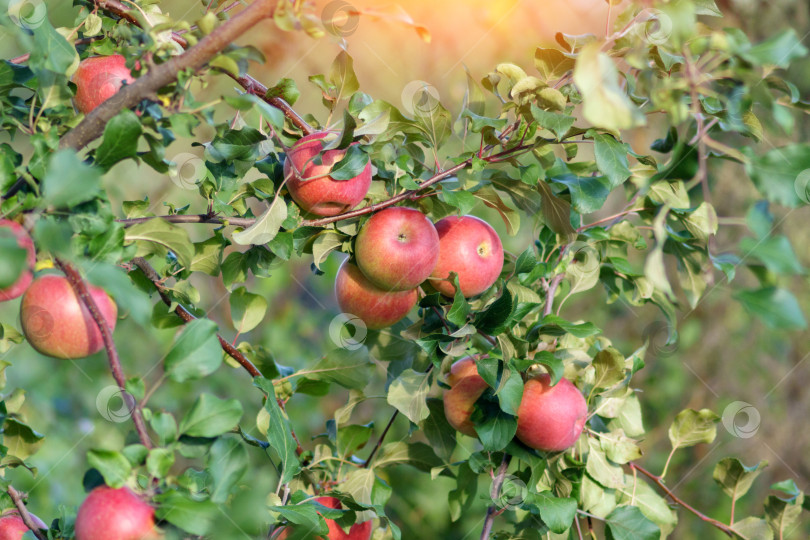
point(80, 288)
point(17, 498)
point(552, 289)
point(657, 479)
point(192, 218)
point(380, 440)
point(497, 483)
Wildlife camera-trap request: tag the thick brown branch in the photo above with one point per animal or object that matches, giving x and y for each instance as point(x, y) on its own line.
point(660, 483)
point(187, 317)
point(17, 498)
point(80, 288)
point(497, 483)
point(251, 85)
point(163, 74)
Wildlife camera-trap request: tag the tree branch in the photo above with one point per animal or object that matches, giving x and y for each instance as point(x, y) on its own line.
point(497, 483)
point(193, 218)
point(187, 317)
point(251, 85)
point(163, 74)
point(17, 498)
point(657, 479)
point(380, 440)
point(80, 288)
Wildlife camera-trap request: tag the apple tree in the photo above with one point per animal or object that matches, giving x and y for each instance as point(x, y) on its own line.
point(466, 346)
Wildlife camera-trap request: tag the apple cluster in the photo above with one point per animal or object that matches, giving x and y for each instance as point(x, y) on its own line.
point(398, 249)
point(549, 418)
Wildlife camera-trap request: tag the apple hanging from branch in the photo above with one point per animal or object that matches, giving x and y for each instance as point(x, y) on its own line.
point(98, 78)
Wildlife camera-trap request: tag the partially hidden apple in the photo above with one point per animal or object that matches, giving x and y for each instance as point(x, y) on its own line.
point(24, 241)
point(310, 184)
point(471, 248)
point(115, 514)
point(57, 323)
point(98, 78)
point(466, 386)
point(358, 531)
point(376, 307)
point(12, 526)
point(397, 248)
point(551, 418)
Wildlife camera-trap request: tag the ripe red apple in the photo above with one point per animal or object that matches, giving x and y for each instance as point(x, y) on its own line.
point(56, 323)
point(12, 526)
point(376, 307)
point(550, 418)
point(466, 386)
point(471, 248)
point(397, 248)
point(115, 514)
point(98, 78)
point(311, 186)
point(359, 531)
point(24, 241)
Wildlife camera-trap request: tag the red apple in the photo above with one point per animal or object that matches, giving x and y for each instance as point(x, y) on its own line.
point(359, 531)
point(397, 248)
point(56, 323)
point(550, 418)
point(98, 79)
point(471, 248)
point(311, 186)
point(376, 307)
point(24, 241)
point(12, 526)
point(466, 386)
point(115, 514)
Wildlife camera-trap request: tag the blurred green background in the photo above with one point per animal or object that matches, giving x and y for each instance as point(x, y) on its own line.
point(723, 354)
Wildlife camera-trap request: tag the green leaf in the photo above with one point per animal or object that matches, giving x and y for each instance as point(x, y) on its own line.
point(195, 517)
point(158, 235)
point(210, 416)
point(266, 227)
point(227, 463)
point(159, 461)
point(777, 308)
point(734, 477)
point(778, 50)
point(278, 432)
point(557, 123)
point(408, 394)
point(342, 76)
point(556, 512)
point(783, 514)
point(588, 194)
point(195, 352)
point(14, 260)
point(348, 368)
point(120, 139)
point(113, 466)
point(440, 434)
point(165, 426)
point(51, 51)
point(495, 428)
point(777, 174)
point(462, 497)
point(247, 309)
point(457, 314)
point(611, 158)
point(419, 455)
point(775, 252)
point(609, 366)
point(618, 447)
point(753, 528)
point(605, 104)
point(551, 63)
point(693, 427)
point(494, 319)
point(69, 181)
point(20, 439)
point(628, 523)
point(556, 211)
point(350, 165)
point(600, 469)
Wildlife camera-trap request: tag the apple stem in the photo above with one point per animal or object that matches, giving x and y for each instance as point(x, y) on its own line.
point(17, 498)
point(497, 483)
point(660, 483)
point(187, 317)
point(80, 288)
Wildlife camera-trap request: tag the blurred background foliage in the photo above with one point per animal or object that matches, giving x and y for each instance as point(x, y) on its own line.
point(722, 355)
